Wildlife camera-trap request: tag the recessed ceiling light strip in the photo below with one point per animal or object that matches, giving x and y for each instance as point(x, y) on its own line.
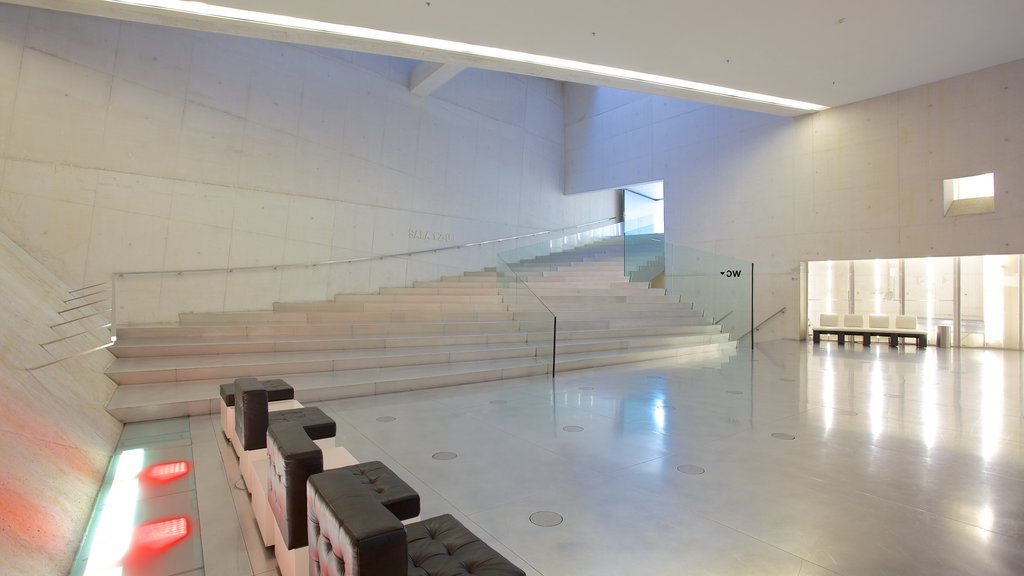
point(215, 11)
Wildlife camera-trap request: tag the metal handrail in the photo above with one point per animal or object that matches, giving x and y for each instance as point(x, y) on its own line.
point(80, 318)
point(80, 306)
point(763, 322)
point(96, 293)
point(364, 259)
point(75, 355)
point(84, 288)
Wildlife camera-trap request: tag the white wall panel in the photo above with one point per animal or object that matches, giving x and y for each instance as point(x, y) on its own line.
point(860, 181)
point(128, 146)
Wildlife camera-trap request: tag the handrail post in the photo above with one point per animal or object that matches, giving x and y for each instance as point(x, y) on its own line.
point(554, 342)
point(752, 330)
point(113, 307)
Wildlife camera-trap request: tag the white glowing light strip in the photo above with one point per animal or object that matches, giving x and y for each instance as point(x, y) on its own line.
point(113, 533)
point(212, 10)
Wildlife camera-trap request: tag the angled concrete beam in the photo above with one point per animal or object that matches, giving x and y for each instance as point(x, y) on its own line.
point(429, 76)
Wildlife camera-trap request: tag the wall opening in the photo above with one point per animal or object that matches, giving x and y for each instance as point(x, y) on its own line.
point(969, 195)
point(643, 208)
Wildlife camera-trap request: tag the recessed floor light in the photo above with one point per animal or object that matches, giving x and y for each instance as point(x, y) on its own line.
point(546, 519)
point(690, 469)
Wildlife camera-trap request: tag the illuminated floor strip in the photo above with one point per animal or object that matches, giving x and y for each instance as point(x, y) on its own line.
point(146, 519)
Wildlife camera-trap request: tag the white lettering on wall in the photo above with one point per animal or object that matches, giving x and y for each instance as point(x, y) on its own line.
point(431, 235)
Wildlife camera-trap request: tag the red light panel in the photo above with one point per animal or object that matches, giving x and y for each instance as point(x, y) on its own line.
point(166, 472)
point(159, 536)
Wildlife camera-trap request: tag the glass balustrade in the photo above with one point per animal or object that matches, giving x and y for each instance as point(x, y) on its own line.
point(719, 286)
point(165, 297)
point(515, 267)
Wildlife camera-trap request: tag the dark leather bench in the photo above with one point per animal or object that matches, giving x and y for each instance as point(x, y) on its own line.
point(294, 457)
point(277, 390)
point(352, 534)
point(253, 417)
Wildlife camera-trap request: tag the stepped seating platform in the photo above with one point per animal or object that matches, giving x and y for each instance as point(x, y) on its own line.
point(455, 330)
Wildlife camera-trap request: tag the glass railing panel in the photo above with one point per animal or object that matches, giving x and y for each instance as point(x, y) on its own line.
point(532, 252)
point(719, 286)
point(534, 318)
point(644, 257)
point(161, 297)
point(514, 268)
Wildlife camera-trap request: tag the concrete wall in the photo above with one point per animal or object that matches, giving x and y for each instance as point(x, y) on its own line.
point(128, 147)
point(56, 437)
point(859, 181)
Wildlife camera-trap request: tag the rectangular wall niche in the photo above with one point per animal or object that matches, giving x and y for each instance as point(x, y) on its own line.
point(969, 195)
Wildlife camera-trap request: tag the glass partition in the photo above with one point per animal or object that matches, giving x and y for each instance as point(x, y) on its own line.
point(876, 286)
point(164, 297)
point(721, 287)
point(977, 297)
point(828, 290)
point(928, 287)
point(990, 301)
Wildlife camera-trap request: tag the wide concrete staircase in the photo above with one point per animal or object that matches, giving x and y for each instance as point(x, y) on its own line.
point(471, 328)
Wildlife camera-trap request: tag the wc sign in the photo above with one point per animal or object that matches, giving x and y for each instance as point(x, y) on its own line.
point(731, 273)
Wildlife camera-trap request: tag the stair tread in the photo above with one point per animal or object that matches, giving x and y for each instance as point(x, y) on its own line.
point(141, 395)
point(134, 364)
point(212, 360)
point(375, 340)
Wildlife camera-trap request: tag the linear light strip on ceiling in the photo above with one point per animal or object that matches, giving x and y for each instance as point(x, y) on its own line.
point(215, 11)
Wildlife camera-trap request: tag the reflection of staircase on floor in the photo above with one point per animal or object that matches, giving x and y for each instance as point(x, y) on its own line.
point(455, 330)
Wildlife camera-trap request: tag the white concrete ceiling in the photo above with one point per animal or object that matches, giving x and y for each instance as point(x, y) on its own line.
point(828, 52)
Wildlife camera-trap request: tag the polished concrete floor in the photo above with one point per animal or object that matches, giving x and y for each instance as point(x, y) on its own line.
point(791, 460)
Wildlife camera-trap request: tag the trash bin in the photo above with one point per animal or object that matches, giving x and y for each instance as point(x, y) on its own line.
point(943, 335)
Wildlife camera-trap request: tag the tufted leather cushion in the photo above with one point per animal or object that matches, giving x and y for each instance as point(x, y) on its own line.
point(442, 546)
point(252, 417)
point(313, 420)
point(350, 532)
point(390, 490)
point(251, 414)
point(294, 457)
point(277, 389)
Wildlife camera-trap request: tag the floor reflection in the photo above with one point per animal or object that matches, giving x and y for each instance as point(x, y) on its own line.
point(790, 459)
